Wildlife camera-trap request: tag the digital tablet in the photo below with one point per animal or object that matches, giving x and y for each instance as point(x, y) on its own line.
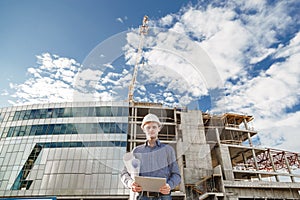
point(151, 184)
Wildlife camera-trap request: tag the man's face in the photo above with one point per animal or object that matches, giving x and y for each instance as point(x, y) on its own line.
point(151, 130)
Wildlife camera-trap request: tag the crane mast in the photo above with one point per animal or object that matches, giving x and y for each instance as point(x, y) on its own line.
point(143, 31)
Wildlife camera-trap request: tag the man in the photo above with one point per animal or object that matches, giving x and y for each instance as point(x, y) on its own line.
point(156, 160)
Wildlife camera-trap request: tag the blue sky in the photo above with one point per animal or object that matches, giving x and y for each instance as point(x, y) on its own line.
point(218, 56)
point(70, 28)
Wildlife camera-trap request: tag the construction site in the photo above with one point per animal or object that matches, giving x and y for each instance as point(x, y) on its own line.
point(74, 150)
point(217, 157)
point(215, 152)
point(46, 150)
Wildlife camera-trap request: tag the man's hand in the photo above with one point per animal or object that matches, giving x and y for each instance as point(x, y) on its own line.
point(136, 188)
point(165, 189)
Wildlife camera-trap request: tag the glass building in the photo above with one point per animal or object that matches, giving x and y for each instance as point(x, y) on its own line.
point(63, 150)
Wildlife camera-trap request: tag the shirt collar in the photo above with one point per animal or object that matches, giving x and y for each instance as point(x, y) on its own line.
point(157, 143)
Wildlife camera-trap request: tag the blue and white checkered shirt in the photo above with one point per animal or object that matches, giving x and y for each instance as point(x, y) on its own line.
point(156, 161)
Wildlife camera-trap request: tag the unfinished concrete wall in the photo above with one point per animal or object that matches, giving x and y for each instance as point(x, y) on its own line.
point(225, 161)
point(194, 148)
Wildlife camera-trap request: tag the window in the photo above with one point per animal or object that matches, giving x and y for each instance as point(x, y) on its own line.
point(37, 114)
point(33, 130)
point(21, 182)
point(27, 130)
point(65, 112)
point(50, 129)
point(27, 114)
point(57, 128)
point(32, 114)
point(43, 113)
point(22, 131)
point(10, 132)
point(63, 129)
point(81, 128)
point(16, 116)
point(22, 115)
point(39, 130)
point(91, 111)
point(49, 113)
point(2, 117)
point(68, 112)
point(60, 112)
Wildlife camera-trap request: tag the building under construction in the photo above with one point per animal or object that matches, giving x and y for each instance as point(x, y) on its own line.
point(75, 151)
point(215, 152)
point(217, 157)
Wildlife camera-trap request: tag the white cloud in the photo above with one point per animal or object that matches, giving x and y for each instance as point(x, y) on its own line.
point(191, 52)
point(4, 92)
point(236, 41)
point(291, 49)
point(166, 21)
point(34, 72)
point(273, 90)
point(281, 133)
point(120, 20)
point(58, 79)
point(173, 61)
point(86, 78)
point(206, 23)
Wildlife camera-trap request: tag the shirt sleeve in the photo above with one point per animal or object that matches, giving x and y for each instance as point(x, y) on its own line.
point(126, 178)
point(175, 177)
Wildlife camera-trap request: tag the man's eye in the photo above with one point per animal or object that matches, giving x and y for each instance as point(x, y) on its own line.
point(153, 127)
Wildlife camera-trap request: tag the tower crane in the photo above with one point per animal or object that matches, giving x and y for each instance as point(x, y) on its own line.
point(142, 31)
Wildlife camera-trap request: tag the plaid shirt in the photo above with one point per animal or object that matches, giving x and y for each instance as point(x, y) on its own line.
point(157, 161)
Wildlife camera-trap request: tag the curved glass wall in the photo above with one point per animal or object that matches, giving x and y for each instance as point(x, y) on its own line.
point(46, 113)
point(64, 150)
point(57, 129)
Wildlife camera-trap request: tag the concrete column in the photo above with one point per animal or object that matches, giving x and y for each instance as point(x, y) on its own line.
point(255, 163)
point(273, 166)
point(248, 134)
point(180, 164)
point(288, 166)
point(225, 161)
point(194, 147)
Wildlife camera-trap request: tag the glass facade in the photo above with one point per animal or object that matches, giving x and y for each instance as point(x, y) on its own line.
point(44, 113)
point(57, 129)
point(63, 149)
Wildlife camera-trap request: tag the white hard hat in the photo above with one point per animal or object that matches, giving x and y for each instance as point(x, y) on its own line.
point(150, 118)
